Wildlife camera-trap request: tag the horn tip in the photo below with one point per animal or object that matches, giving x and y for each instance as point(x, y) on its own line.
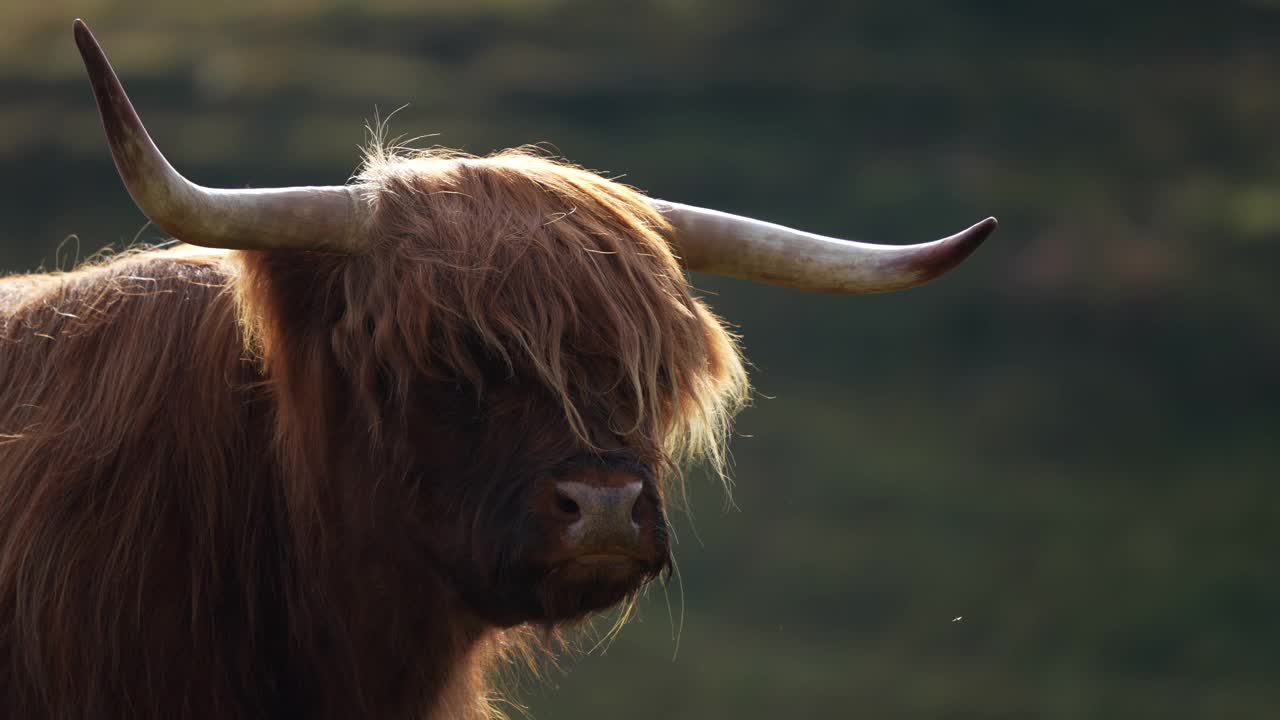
point(973, 237)
point(87, 44)
point(944, 255)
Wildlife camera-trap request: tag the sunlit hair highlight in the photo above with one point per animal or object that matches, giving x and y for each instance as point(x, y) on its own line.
point(552, 271)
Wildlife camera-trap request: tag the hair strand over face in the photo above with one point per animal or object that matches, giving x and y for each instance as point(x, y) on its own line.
point(550, 271)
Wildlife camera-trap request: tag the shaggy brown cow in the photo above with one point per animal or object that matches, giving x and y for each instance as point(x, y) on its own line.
point(343, 470)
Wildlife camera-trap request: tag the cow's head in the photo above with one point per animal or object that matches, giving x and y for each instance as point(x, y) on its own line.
point(520, 334)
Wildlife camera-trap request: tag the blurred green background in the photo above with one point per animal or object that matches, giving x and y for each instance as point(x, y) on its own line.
point(1045, 486)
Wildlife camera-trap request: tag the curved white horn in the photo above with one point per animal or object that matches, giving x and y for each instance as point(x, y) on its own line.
point(329, 219)
point(719, 243)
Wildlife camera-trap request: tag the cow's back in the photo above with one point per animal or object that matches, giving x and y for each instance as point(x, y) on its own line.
point(134, 494)
point(93, 356)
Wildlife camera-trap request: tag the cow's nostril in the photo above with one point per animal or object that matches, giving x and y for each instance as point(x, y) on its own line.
point(566, 504)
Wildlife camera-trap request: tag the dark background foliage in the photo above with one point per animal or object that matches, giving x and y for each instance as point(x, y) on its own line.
point(1045, 486)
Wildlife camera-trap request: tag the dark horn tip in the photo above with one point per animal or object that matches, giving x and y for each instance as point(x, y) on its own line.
point(83, 35)
point(88, 45)
point(970, 239)
point(985, 228)
point(946, 254)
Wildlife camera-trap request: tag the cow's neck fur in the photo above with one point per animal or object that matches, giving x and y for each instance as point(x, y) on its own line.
point(149, 559)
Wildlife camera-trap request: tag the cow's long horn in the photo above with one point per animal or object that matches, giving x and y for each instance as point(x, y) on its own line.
point(722, 244)
point(297, 218)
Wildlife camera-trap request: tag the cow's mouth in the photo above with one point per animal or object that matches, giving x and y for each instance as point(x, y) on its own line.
point(605, 559)
point(592, 582)
point(606, 567)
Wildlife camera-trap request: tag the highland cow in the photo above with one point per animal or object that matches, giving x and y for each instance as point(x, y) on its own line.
point(368, 440)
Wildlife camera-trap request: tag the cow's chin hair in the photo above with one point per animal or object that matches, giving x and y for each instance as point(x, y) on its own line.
point(568, 593)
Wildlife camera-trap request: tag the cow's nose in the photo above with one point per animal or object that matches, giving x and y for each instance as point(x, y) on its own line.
point(599, 518)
